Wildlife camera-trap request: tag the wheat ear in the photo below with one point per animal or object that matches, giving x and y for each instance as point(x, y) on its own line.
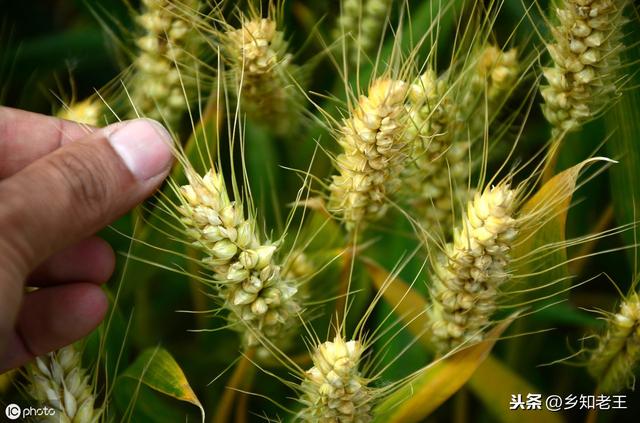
point(334, 389)
point(373, 16)
point(437, 162)
point(264, 74)
point(618, 352)
point(87, 111)
point(245, 272)
point(350, 12)
point(6, 381)
point(585, 53)
point(495, 74)
point(363, 20)
point(298, 266)
point(167, 42)
point(467, 276)
point(58, 380)
point(374, 148)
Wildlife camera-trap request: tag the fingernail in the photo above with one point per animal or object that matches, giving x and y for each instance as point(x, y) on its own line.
point(143, 145)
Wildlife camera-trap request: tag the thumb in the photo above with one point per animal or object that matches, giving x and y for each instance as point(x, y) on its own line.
point(79, 189)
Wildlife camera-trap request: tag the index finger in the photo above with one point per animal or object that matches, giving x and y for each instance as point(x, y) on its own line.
point(26, 137)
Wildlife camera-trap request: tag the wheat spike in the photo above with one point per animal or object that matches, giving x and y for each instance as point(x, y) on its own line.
point(298, 266)
point(334, 390)
point(264, 74)
point(58, 380)
point(442, 129)
point(88, 111)
point(585, 53)
point(373, 17)
point(248, 278)
point(167, 42)
point(618, 352)
point(467, 276)
point(374, 148)
point(6, 380)
point(363, 22)
point(349, 17)
point(495, 74)
point(438, 161)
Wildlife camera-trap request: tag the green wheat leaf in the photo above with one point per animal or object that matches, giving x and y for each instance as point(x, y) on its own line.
point(156, 369)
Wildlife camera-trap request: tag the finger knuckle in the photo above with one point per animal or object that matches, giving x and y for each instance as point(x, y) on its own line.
point(85, 179)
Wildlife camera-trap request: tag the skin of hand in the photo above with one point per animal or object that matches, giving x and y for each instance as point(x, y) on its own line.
point(60, 183)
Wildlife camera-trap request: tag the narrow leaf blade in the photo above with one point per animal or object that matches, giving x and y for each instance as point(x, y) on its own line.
point(496, 396)
point(539, 257)
point(436, 383)
point(406, 302)
point(409, 304)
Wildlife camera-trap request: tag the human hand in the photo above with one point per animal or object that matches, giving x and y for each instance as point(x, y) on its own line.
point(59, 185)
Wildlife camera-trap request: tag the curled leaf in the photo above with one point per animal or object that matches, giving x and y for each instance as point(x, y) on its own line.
point(540, 257)
point(156, 369)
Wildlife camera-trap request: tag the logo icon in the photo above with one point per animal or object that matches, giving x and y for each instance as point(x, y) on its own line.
point(13, 411)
